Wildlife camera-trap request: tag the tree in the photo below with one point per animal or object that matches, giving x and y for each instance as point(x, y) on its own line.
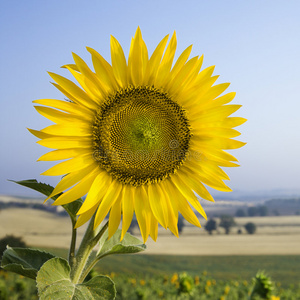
point(227, 222)
point(11, 241)
point(252, 211)
point(240, 213)
point(250, 227)
point(262, 210)
point(180, 223)
point(210, 225)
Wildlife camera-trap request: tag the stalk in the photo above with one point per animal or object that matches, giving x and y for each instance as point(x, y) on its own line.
point(89, 241)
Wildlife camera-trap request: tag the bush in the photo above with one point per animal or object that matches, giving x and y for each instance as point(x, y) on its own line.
point(11, 241)
point(262, 210)
point(250, 227)
point(180, 223)
point(252, 211)
point(227, 222)
point(240, 213)
point(210, 225)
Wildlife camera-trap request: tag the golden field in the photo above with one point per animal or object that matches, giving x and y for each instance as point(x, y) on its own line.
point(274, 235)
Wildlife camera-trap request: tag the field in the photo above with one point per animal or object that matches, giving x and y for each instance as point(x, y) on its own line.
point(275, 235)
point(227, 261)
point(151, 277)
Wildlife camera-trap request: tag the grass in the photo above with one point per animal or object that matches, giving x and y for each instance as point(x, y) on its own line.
point(281, 268)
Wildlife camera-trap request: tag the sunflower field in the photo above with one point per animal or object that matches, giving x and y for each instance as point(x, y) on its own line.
point(179, 286)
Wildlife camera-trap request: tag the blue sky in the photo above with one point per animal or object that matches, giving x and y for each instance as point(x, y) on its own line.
point(254, 44)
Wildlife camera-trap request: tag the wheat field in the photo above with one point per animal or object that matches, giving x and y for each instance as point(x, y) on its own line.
point(275, 235)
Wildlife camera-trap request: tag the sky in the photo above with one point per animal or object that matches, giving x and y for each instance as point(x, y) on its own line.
point(254, 45)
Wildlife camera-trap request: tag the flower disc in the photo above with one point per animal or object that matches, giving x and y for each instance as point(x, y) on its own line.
point(139, 136)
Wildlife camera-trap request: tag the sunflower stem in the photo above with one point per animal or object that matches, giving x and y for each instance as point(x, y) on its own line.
point(72, 259)
point(89, 241)
point(89, 267)
point(83, 252)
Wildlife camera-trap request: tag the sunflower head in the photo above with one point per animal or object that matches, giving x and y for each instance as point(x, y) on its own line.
point(146, 136)
point(139, 136)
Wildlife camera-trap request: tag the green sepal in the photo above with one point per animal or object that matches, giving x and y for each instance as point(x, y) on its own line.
point(53, 282)
point(46, 189)
point(24, 261)
point(129, 244)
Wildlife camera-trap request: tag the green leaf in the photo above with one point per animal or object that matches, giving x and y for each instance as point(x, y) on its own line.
point(129, 244)
point(46, 189)
point(53, 282)
point(24, 261)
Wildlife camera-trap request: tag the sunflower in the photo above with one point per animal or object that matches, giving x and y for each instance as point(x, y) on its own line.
point(140, 136)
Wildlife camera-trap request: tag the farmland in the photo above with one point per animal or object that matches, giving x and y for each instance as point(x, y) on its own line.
point(229, 260)
point(275, 235)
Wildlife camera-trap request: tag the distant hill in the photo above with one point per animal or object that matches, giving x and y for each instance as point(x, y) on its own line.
point(284, 206)
point(256, 196)
point(27, 202)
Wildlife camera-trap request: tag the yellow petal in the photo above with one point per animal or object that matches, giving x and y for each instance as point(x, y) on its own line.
point(103, 70)
point(86, 71)
point(192, 97)
point(71, 179)
point(181, 61)
point(172, 212)
point(158, 204)
point(203, 151)
point(214, 92)
point(62, 154)
point(233, 122)
point(196, 185)
point(76, 192)
point(69, 107)
point(65, 142)
point(142, 209)
point(217, 113)
point(57, 116)
point(187, 192)
point(182, 204)
point(93, 90)
point(180, 80)
point(85, 217)
point(153, 227)
point(118, 61)
point(114, 218)
point(155, 59)
point(219, 101)
point(96, 192)
point(39, 134)
point(166, 63)
point(72, 66)
point(205, 74)
point(215, 132)
point(74, 164)
point(107, 202)
point(206, 167)
point(210, 180)
point(138, 58)
point(69, 96)
point(224, 143)
point(78, 129)
point(77, 94)
point(127, 208)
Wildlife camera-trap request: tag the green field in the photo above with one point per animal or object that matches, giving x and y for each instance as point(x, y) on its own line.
point(281, 268)
point(170, 277)
point(149, 277)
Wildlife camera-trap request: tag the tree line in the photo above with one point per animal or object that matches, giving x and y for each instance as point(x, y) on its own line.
point(227, 222)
